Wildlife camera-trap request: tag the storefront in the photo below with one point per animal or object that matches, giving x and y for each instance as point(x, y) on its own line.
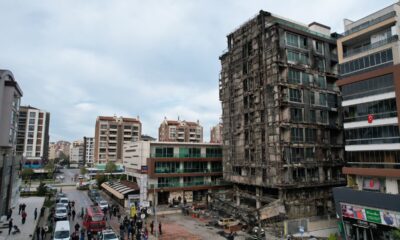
point(124, 192)
point(365, 223)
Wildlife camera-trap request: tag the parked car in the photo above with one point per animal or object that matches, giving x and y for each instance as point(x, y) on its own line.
point(59, 205)
point(61, 231)
point(103, 204)
point(60, 195)
point(228, 222)
point(93, 194)
point(61, 213)
point(108, 235)
point(50, 188)
point(63, 200)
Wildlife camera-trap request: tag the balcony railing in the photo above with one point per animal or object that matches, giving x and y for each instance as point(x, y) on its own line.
point(374, 165)
point(191, 170)
point(155, 155)
point(187, 184)
point(371, 46)
point(382, 140)
point(370, 23)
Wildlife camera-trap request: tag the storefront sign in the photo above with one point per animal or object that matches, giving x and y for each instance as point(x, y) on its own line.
point(379, 216)
point(371, 184)
point(373, 215)
point(144, 169)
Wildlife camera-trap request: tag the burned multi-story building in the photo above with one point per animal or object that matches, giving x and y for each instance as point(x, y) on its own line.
point(282, 135)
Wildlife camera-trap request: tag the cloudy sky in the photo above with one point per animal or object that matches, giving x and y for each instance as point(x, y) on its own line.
point(152, 59)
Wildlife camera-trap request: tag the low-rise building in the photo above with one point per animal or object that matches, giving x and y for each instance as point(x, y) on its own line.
point(166, 171)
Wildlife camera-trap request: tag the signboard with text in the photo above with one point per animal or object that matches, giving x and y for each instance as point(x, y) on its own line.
point(379, 216)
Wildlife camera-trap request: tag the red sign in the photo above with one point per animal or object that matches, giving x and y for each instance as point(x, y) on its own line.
point(370, 118)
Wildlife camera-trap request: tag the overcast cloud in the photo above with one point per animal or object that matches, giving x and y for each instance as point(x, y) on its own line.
point(81, 59)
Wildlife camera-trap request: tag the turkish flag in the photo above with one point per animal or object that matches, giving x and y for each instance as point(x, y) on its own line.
point(370, 118)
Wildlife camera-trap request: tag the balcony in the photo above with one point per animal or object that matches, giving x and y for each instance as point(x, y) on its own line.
point(154, 155)
point(191, 170)
point(371, 46)
point(370, 23)
point(188, 184)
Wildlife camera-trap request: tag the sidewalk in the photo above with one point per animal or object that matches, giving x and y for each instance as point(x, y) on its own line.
point(27, 229)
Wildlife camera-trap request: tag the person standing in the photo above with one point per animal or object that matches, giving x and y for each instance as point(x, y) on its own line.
point(35, 213)
point(122, 231)
point(20, 209)
point(77, 227)
point(23, 206)
point(43, 233)
point(10, 225)
point(160, 228)
point(73, 214)
point(82, 234)
point(69, 214)
point(23, 215)
point(151, 227)
point(38, 233)
point(110, 212)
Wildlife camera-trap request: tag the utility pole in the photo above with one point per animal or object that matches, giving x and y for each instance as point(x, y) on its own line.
point(155, 212)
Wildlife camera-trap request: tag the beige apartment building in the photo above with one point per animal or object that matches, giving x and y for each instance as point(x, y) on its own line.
point(216, 134)
point(110, 135)
point(180, 131)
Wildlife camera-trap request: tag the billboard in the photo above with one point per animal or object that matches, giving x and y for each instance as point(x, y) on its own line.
point(379, 216)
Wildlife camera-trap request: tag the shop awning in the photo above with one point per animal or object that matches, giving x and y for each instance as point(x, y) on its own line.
point(118, 189)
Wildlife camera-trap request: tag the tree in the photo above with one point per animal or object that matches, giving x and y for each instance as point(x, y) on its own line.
point(83, 170)
point(111, 168)
point(395, 234)
point(49, 167)
point(100, 178)
point(27, 173)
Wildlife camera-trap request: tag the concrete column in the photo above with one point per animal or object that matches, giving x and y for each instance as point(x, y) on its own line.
point(237, 198)
point(321, 174)
point(305, 174)
point(258, 195)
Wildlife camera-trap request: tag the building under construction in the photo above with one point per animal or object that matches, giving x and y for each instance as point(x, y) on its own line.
point(282, 135)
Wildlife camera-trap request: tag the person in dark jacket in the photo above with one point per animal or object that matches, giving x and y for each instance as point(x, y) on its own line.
point(10, 225)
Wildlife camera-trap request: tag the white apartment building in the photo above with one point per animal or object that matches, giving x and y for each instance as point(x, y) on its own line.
point(88, 143)
point(33, 136)
point(76, 154)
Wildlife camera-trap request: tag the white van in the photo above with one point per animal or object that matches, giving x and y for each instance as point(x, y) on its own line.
point(61, 232)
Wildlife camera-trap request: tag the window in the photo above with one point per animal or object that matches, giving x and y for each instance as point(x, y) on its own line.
point(322, 99)
point(373, 135)
point(311, 135)
point(164, 152)
point(320, 81)
point(312, 98)
point(362, 63)
point(313, 118)
point(309, 152)
point(294, 76)
point(320, 64)
point(297, 57)
point(295, 95)
point(296, 40)
point(32, 114)
point(298, 77)
point(296, 114)
point(372, 86)
point(323, 116)
point(213, 152)
point(319, 47)
point(297, 134)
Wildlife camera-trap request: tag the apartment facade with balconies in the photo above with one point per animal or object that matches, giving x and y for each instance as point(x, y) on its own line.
point(369, 58)
point(166, 171)
point(111, 133)
point(33, 136)
point(180, 131)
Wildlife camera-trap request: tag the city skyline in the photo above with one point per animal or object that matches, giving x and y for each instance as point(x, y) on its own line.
point(151, 60)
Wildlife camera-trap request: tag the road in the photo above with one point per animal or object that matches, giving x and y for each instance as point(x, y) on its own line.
point(69, 174)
